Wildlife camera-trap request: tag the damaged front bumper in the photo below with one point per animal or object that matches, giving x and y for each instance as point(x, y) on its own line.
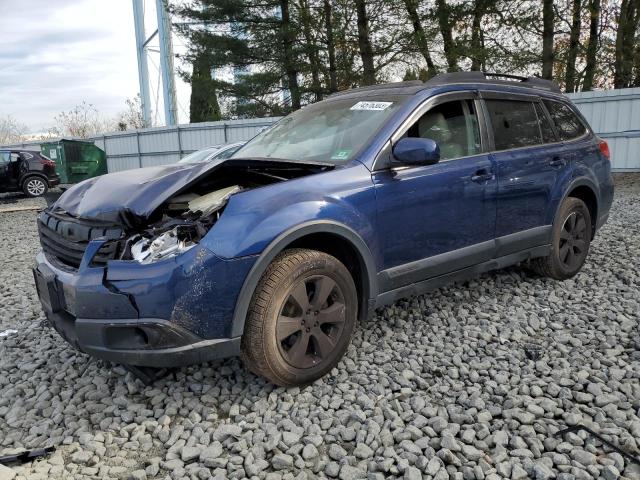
point(170, 313)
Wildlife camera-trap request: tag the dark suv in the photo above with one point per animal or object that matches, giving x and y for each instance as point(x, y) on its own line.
point(346, 205)
point(27, 171)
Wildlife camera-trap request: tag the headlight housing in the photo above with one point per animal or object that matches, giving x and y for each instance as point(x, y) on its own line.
point(166, 245)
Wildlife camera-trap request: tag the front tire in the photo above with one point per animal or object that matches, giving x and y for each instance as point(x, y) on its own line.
point(34, 186)
point(570, 241)
point(300, 319)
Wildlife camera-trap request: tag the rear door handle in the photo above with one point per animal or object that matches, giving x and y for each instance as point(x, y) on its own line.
point(557, 162)
point(482, 176)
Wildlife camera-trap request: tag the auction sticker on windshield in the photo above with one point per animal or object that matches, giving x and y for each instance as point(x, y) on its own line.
point(377, 106)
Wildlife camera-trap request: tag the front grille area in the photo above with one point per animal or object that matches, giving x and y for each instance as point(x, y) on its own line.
point(65, 238)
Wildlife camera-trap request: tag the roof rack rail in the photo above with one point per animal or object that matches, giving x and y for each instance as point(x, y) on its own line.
point(379, 86)
point(488, 77)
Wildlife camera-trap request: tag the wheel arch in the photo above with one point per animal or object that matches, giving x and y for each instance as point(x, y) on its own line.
point(587, 191)
point(33, 174)
point(327, 236)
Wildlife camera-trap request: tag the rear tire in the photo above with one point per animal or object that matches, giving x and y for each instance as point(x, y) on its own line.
point(570, 241)
point(300, 319)
point(34, 186)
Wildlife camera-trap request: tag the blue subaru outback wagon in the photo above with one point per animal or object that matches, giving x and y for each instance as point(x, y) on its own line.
point(346, 205)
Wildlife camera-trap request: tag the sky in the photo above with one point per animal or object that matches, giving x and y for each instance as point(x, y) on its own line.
point(55, 54)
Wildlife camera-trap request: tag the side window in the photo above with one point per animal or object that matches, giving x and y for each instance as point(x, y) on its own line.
point(545, 125)
point(567, 123)
point(514, 123)
point(5, 157)
point(453, 126)
point(15, 157)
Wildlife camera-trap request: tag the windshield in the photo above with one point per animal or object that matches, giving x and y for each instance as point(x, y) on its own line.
point(199, 156)
point(332, 131)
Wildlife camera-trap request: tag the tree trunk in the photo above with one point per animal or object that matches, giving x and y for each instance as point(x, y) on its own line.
point(311, 49)
point(331, 46)
point(420, 37)
point(443, 14)
point(592, 48)
point(574, 44)
point(204, 105)
point(364, 43)
point(478, 55)
point(547, 39)
point(288, 57)
point(625, 36)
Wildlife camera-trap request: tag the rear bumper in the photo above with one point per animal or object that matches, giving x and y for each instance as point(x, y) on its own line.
point(53, 181)
point(143, 342)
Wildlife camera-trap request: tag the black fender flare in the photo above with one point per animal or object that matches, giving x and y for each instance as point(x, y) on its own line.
point(577, 182)
point(276, 246)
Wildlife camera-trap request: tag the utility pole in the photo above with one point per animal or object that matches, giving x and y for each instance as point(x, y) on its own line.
point(143, 68)
point(166, 63)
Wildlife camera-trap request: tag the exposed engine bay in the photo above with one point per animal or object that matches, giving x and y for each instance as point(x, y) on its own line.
point(181, 222)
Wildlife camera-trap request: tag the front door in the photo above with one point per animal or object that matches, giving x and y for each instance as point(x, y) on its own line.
point(434, 219)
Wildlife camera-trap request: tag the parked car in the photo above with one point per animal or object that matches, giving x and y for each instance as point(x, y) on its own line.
point(344, 206)
point(216, 152)
point(26, 171)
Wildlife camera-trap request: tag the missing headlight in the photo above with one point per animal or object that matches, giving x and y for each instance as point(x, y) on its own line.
point(171, 243)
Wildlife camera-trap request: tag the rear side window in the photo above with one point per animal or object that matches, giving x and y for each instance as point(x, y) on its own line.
point(567, 123)
point(515, 124)
point(545, 125)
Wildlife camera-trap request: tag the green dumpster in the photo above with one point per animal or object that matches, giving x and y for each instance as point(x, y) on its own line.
point(76, 160)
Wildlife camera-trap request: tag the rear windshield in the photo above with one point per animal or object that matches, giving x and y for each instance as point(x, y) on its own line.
point(331, 131)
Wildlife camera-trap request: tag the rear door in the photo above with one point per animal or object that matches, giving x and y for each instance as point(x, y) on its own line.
point(5, 170)
point(529, 161)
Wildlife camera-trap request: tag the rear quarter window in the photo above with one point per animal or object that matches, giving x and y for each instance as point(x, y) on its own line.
point(515, 124)
point(568, 125)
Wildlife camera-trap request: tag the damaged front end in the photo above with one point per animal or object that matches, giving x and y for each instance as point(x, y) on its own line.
point(173, 235)
point(130, 280)
point(155, 220)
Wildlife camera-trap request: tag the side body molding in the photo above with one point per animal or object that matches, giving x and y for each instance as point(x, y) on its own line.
point(365, 260)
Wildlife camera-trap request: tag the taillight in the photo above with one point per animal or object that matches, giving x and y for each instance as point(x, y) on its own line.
point(604, 149)
point(48, 163)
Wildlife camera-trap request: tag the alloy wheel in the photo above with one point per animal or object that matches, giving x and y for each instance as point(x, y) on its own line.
point(573, 241)
point(35, 187)
point(311, 321)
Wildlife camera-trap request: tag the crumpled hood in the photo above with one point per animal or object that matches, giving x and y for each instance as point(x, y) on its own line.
point(129, 193)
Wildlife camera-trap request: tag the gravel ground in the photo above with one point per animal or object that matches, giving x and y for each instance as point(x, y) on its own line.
point(445, 385)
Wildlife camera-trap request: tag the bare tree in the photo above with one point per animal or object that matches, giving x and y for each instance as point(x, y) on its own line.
point(11, 131)
point(132, 117)
point(82, 121)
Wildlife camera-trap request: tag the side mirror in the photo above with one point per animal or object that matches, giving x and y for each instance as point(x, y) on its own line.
point(416, 151)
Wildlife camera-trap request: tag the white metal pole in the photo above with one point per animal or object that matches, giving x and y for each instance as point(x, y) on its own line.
point(143, 69)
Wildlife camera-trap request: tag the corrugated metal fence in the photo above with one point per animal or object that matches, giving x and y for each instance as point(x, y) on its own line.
point(613, 114)
point(159, 146)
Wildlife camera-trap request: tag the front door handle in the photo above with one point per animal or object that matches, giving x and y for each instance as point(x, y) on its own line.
point(557, 162)
point(482, 176)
